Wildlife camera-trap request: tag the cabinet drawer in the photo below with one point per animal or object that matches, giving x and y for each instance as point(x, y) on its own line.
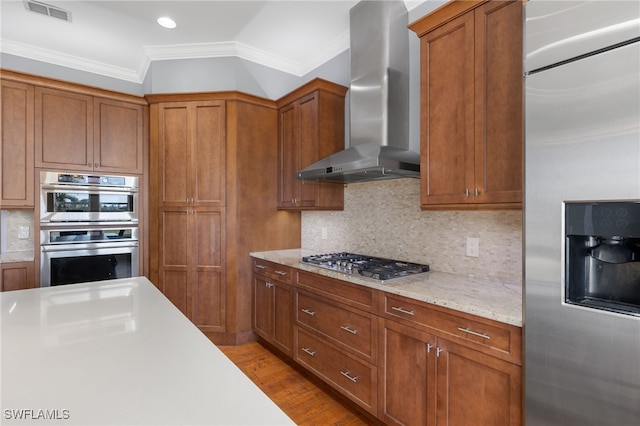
point(354, 378)
point(342, 325)
point(276, 271)
point(358, 296)
point(478, 332)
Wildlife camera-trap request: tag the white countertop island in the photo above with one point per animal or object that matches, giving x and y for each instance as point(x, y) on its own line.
point(117, 353)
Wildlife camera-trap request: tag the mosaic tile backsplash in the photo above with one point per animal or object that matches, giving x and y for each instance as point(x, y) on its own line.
point(384, 219)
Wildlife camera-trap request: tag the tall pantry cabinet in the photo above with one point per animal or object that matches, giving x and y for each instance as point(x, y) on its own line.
point(213, 200)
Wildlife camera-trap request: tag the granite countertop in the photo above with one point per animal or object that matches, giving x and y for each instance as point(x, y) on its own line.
point(499, 301)
point(117, 352)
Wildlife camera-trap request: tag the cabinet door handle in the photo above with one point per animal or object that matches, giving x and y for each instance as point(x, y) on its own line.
point(467, 192)
point(350, 330)
point(281, 273)
point(475, 333)
point(261, 267)
point(438, 352)
point(309, 351)
point(308, 312)
point(268, 285)
point(477, 192)
point(349, 376)
point(429, 347)
point(404, 311)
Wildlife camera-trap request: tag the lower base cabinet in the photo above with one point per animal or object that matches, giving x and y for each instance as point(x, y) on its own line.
point(17, 276)
point(428, 380)
point(403, 361)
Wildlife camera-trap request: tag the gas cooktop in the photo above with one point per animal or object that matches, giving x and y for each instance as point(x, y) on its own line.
point(368, 266)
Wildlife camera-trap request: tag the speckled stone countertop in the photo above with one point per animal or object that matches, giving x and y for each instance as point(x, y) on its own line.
point(17, 256)
point(498, 301)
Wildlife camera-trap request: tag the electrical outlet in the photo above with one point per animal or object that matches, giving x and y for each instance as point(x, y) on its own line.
point(473, 247)
point(324, 233)
point(23, 232)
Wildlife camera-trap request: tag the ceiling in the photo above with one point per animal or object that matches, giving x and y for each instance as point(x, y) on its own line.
point(120, 38)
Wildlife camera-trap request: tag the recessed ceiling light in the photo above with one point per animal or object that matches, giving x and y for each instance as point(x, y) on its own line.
point(167, 22)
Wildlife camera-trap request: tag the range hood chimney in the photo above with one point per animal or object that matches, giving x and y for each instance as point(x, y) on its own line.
point(379, 93)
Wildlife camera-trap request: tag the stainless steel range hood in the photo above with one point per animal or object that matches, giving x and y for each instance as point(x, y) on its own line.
point(379, 94)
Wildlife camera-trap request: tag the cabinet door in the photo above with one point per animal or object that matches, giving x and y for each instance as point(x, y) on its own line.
point(262, 307)
point(447, 87)
point(472, 385)
point(174, 257)
point(192, 152)
point(308, 151)
point(16, 145)
point(17, 276)
point(288, 155)
point(498, 108)
point(118, 137)
point(282, 322)
point(407, 375)
point(206, 231)
point(63, 130)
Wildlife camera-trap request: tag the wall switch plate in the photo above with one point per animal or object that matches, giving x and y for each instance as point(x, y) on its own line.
point(23, 232)
point(473, 247)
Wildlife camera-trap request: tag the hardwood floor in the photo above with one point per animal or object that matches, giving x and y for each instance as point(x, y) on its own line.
point(301, 399)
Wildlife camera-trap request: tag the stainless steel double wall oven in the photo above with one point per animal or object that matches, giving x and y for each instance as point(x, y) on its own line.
point(88, 227)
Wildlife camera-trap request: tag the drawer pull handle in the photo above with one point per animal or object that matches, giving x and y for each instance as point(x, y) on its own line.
point(350, 330)
point(308, 312)
point(309, 351)
point(261, 267)
point(475, 333)
point(281, 273)
point(404, 311)
point(350, 377)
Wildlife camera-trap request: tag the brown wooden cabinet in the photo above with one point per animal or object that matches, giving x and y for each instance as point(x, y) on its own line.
point(272, 304)
point(471, 105)
point(336, 335)
point(17, 276)
point(191, 263)
point(214, 152)
point(311, 127)
point(16, 145)
point(192, 152)
point(77, 131)
point(463, 367)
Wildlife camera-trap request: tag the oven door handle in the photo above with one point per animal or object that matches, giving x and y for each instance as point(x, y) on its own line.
point(86, 246)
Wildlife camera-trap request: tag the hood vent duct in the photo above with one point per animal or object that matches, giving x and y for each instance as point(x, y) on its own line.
point(379, 100)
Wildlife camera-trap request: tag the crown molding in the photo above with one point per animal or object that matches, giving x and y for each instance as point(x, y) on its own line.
point(61, 59)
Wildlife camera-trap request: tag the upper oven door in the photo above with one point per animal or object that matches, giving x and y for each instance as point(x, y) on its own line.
point(86, 198)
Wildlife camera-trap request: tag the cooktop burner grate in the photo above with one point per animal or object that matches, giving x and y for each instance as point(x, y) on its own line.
point(368, 266)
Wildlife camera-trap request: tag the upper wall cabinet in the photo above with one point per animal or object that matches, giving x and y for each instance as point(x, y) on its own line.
point(310, 127)
point(16, 145)
point(471, 105)
point(75, 131)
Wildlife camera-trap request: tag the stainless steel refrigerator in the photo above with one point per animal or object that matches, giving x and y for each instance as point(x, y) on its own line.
point(582, 213)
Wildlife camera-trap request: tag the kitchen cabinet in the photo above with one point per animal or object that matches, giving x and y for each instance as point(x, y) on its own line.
point(311, 127)
point(214, 155)
point(17, 145)
point(192, 152)
point(78, 131)
point(471, 105)
point(192, 259)
point(461, 367)
point(272, 304)
point(335, 335)
point(17, 276)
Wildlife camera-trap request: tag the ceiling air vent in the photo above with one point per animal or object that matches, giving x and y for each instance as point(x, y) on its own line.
point(47, 9)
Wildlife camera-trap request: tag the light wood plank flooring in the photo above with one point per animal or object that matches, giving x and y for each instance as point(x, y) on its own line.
point(303, 401)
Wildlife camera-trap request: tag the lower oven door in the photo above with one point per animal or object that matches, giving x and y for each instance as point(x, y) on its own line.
point(76, 263)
